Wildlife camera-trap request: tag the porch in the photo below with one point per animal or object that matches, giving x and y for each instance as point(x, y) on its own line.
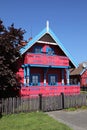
point(35, 75)
point(47, 75)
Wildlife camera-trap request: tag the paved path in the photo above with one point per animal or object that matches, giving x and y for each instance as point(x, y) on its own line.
point(77, 120)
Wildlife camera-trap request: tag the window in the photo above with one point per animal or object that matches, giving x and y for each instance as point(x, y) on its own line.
point(71, 81)
point(52, 79)
point(75, 81)
point(37, 49)
point(35, 80)
point(50, 51)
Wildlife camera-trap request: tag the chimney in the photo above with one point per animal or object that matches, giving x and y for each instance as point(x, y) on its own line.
point(29, 39)
point(23, 43)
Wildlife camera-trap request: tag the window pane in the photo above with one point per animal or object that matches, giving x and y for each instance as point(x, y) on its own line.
point(50, 51)
point(37, 50)
point(35, 80)
point(52, 80)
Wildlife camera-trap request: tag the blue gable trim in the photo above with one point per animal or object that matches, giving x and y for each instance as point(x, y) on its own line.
point(29, 44)
point(50, 32)
point(48, 66)
point(83, 71)
point(63, 48)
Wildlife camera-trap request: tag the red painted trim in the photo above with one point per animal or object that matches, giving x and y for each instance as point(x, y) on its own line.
point(43, 59)
point(49, 90)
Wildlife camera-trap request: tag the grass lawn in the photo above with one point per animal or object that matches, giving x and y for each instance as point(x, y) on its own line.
point(30, 121)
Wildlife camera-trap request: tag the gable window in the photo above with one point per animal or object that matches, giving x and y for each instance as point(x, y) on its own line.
point(52, 79)
point(37, 49)
point(35, 79)
point(50, 51)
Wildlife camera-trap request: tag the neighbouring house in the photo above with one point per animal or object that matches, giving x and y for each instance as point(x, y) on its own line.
point(44, 66)
point(79, 75)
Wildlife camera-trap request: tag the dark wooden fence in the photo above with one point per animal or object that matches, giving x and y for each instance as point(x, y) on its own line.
point(48, 103)
point(16, 105)
point(75, 101)
point(52, 103)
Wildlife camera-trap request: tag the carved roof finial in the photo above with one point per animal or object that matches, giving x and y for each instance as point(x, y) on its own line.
point(47, 25)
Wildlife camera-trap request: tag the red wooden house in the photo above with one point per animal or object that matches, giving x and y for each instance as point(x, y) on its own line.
point(79, 75)
point(44, 66)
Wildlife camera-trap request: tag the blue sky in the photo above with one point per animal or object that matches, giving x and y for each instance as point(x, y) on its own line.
point(67, 18)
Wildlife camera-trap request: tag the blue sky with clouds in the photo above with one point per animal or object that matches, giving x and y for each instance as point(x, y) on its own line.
point(67, 18)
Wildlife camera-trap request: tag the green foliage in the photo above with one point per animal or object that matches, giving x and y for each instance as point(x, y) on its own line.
point(84, 92)
point(31, 121)
point(71, 109)
point(10, 39)
point(76, 108)
point(84, 108)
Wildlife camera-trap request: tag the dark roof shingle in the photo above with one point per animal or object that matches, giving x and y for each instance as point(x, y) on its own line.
point(77, 71)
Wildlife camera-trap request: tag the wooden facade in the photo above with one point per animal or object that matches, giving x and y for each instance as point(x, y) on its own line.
point(79, 75)
point(44, 67)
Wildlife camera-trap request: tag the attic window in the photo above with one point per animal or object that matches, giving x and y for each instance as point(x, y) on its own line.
point(37, 49)
point(50, 51)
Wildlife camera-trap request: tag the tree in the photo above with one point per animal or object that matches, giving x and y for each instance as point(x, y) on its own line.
point(10, 39)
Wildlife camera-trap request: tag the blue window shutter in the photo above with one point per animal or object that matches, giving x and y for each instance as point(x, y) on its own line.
point(56, 79)
point(49, 79)
point(39, 79)
point(30, 80)
point(47, 50)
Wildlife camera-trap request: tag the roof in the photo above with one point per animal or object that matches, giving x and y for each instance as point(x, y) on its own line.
point(47, 30)
point(78, 71)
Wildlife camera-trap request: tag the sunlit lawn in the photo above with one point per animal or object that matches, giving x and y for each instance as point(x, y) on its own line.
point(30, 121)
